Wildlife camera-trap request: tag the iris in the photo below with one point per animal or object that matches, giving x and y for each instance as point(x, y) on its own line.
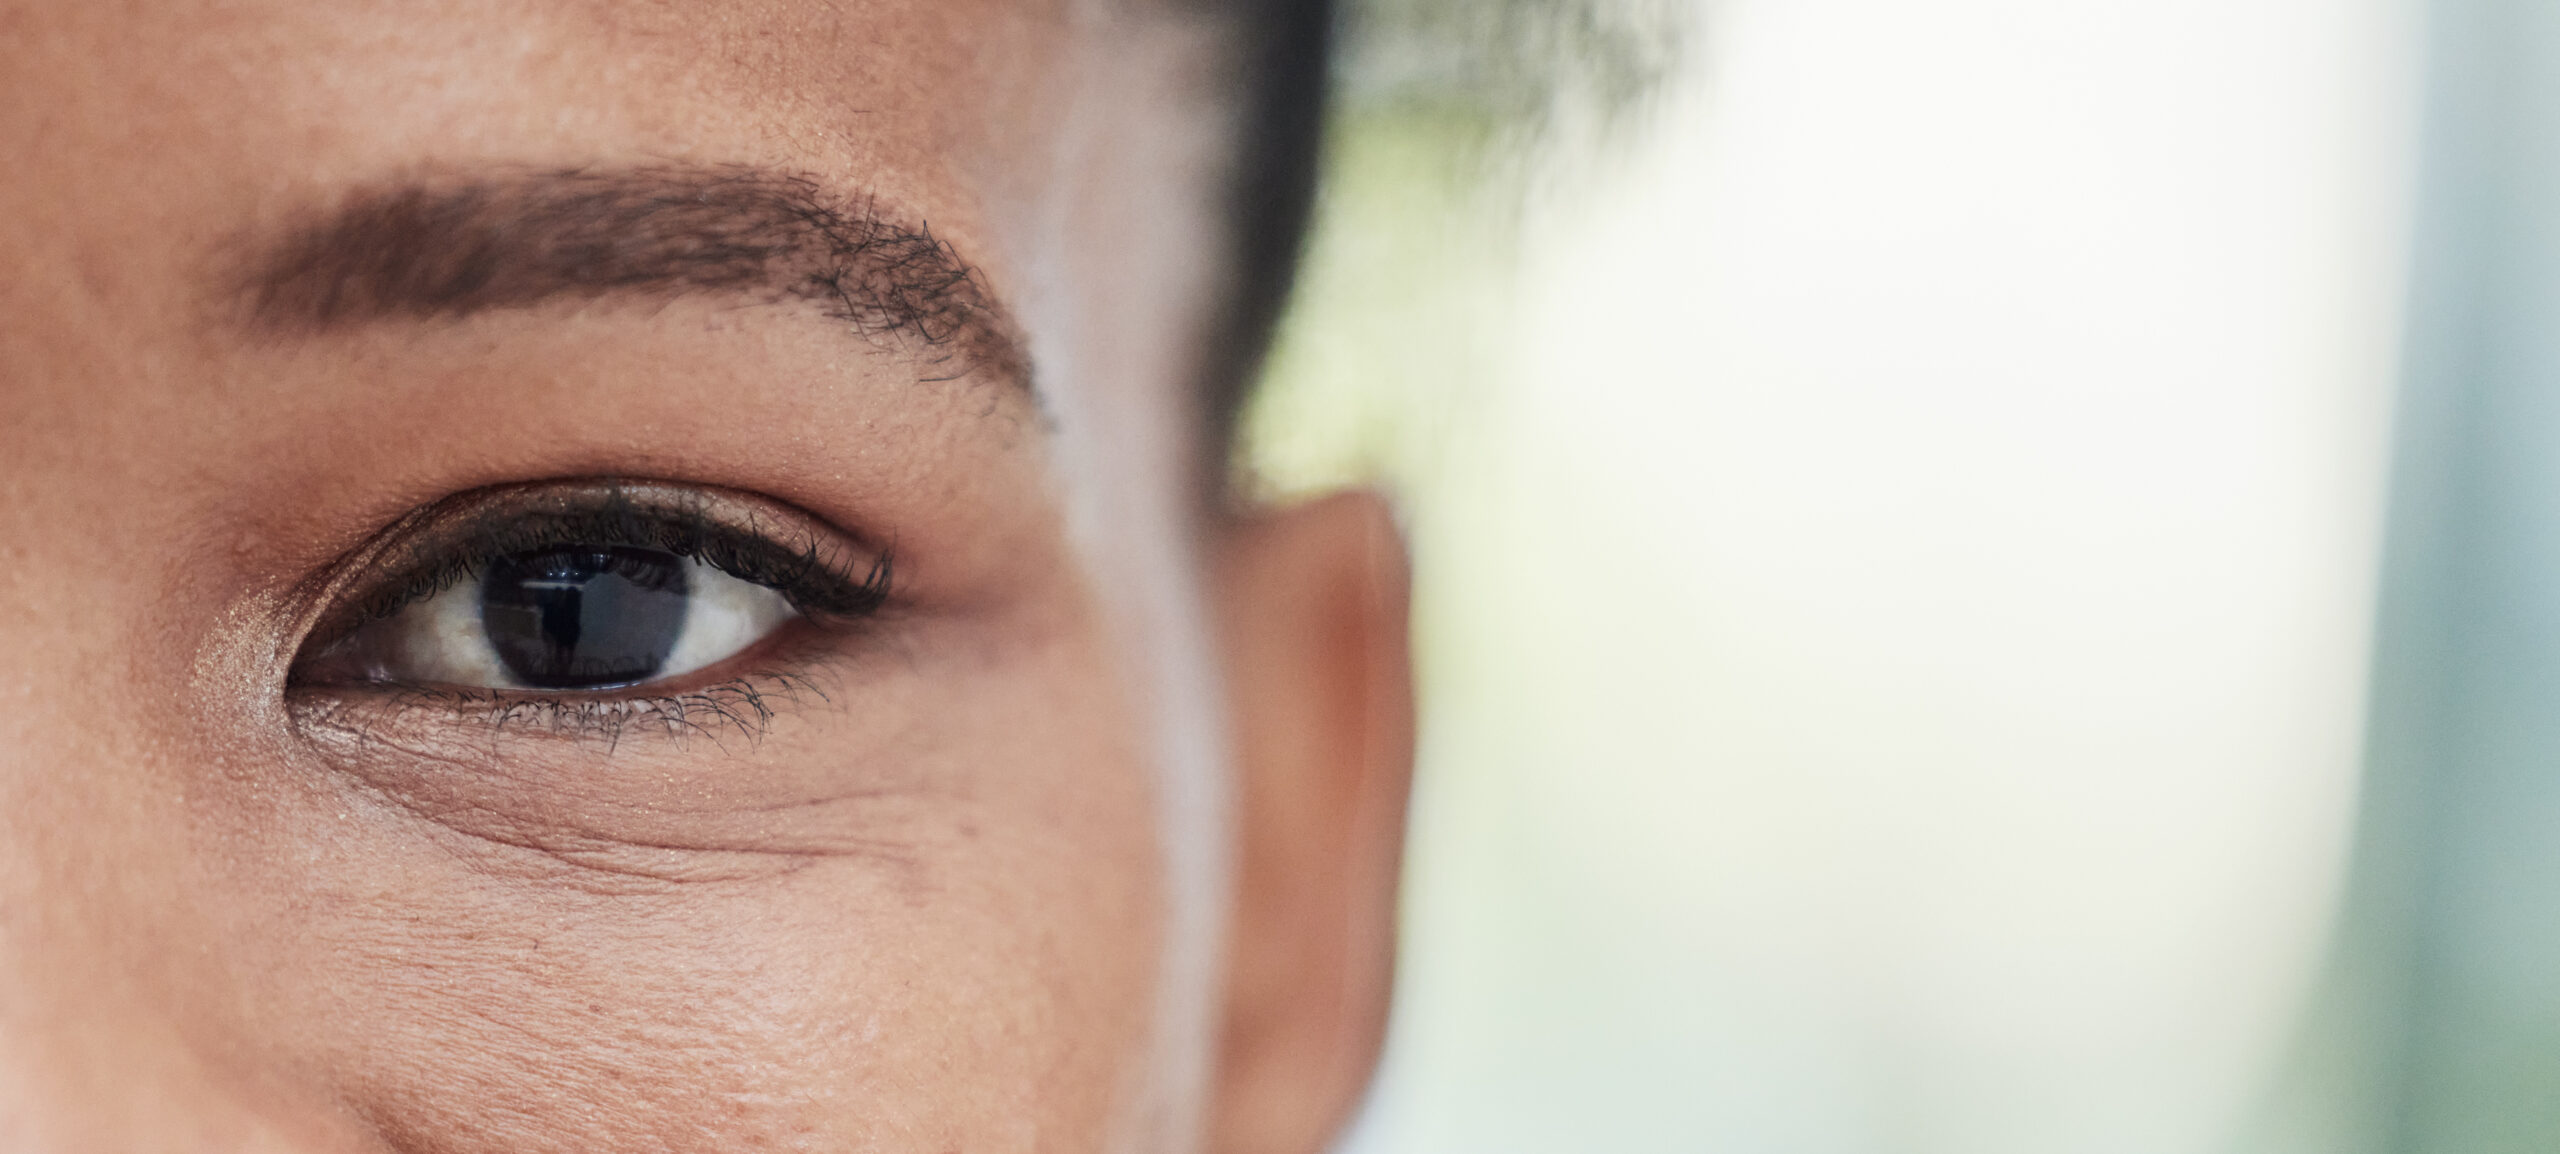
point(584, 617)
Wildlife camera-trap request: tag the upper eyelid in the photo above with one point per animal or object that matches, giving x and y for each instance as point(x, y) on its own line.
point(434, 546)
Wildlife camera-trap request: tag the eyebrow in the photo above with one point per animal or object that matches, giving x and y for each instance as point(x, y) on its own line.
point(453, 247)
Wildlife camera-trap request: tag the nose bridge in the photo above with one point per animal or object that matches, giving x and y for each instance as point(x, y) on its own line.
point(121, 1019)
point(24, 997)
point(112, 1036)
point(74, 1077)
point(111, 1000)
point(59, 1033)
point(76, 1054)
point(94, 1078)
point(40, 905)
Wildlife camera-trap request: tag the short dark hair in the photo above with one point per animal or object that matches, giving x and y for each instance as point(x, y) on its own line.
point(1283, 59)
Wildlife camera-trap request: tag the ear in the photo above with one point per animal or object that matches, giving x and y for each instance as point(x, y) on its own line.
point(1312, 600)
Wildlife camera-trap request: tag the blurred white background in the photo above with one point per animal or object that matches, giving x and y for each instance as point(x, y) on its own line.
point(1897, 507)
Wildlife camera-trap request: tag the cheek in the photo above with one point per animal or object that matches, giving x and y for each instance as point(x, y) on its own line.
point(954, 948)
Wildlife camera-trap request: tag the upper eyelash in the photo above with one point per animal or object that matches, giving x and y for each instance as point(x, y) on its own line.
point(818, 582)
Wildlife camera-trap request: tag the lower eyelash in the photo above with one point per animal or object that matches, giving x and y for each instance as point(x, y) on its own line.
point(742, 708)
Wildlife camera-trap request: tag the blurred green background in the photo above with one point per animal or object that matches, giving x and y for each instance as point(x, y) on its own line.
point(1898, 493)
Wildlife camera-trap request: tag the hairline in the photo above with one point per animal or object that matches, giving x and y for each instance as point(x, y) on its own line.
point(1282, 51)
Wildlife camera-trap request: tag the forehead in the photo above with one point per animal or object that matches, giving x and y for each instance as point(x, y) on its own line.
point(946, 109)
point(1069, 151)
point(641, 68)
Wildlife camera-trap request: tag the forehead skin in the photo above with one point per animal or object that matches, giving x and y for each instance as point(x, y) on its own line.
point(955, 905)
point(918, 101)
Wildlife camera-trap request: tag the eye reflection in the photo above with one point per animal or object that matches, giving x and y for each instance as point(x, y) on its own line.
point(578, 617)
point(584, 619)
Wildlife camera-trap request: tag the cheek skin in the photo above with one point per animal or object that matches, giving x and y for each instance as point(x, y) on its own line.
point(933, 915)
point(926, 916)
point(938, 977)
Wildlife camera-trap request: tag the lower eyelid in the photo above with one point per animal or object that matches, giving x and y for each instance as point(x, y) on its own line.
point(688, 779)
point(391, 717)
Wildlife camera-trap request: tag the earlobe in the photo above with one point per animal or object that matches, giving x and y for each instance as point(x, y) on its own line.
point(1312, 601)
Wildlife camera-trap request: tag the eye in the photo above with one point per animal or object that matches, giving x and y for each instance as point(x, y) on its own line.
point(581, 617)
point(581, 593)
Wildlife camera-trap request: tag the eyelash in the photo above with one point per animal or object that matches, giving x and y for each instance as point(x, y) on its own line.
point(818, 584)
point(825, 586)
point(743, 706)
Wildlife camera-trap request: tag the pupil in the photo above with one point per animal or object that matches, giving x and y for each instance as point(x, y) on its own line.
point(585, 617)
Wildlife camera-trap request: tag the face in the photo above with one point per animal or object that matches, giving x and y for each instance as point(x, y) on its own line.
point(597, 576)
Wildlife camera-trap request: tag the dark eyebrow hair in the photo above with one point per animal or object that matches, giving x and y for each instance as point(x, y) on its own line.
point(454, 246)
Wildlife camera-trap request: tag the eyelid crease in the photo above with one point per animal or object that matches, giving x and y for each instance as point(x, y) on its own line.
point(435, 547)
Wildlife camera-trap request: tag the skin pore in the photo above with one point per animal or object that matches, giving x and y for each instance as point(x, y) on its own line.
point(1059, 811)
